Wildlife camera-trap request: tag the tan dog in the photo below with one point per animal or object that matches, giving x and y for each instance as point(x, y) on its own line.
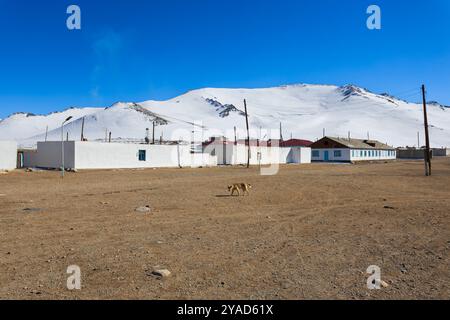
point(237, 187)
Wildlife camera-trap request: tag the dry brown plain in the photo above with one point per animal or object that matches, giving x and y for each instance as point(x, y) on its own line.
point(309, 232)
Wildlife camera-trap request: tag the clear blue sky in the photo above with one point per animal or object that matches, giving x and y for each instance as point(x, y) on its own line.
point(137, 50)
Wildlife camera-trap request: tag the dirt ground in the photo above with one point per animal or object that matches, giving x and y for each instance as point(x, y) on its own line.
point(309, 232)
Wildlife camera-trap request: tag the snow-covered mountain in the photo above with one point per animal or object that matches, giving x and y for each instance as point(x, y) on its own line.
point(303, 110)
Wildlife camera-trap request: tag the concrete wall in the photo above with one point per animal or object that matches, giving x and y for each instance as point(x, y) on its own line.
point(97, 155)
point(48, 155)
point(94, 155)
point(410, 153)
point(440, 152)
point(348, 155)
point(296, 155)
point(8, 155)
point(230, 154)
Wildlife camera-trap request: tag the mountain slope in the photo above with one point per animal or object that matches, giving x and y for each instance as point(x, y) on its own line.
point(304, 111)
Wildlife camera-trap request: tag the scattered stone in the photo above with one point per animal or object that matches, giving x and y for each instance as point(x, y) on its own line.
point(32, 209)
point(389, 207)
point(384, 284)
point(104, 203)
point(145, 209)
point(161, 273)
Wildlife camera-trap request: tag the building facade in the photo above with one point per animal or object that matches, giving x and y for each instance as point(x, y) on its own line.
point(102, 155)
point(330, 149)
point(8, 155)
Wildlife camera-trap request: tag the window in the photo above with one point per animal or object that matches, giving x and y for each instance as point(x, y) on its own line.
point(142, 155)
point(361, 153)
point(337, 153)
point(365, 153)
point(316, 154)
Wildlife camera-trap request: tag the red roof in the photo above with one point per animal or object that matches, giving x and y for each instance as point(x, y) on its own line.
point(296, 143)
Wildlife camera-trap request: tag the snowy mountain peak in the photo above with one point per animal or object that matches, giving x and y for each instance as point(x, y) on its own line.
point(224, 110)
point(303, 109)
point(352, 90)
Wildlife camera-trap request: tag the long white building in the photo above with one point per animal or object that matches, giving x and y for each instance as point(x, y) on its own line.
point(8, 155)
point(330, 149)
point(102, 155)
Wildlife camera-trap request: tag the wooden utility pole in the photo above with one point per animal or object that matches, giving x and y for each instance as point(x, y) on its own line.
point(281, 132)
point(427, 156)
point(110, 137)
point(235, 137)
point(82, 130)
point(153, 136)
point(248, 134)
point(46, 134)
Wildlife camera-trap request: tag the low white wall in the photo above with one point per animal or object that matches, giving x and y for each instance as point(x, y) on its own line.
point(230, 154)
point(95, 155)
point(295, 155)
point(8, 155)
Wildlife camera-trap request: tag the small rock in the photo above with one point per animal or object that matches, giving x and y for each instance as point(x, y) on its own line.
point(389, 207)
point(384, 284)
point(162, 273)
point(145, 209)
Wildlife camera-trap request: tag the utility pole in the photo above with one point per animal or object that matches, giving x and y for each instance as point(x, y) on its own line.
point(281, 132)
point(62, 145)
point(235, 137)
point(82, 130)
point(153, 136)
point(46, 134)
point(427, 136)
point(418, 140)
point(323, 133)
point(248, 134)
point(110, 137)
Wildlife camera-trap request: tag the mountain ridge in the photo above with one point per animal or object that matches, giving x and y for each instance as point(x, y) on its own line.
point(303, 109)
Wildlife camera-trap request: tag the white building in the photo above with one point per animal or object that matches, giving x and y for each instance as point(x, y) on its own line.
point(330, 149)
point(100, 155)
point(231, 153)
point(8, 155)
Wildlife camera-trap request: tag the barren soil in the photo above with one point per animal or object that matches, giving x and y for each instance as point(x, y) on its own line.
point(309, 232)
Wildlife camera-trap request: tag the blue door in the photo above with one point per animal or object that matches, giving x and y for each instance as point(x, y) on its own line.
point(326, 156)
